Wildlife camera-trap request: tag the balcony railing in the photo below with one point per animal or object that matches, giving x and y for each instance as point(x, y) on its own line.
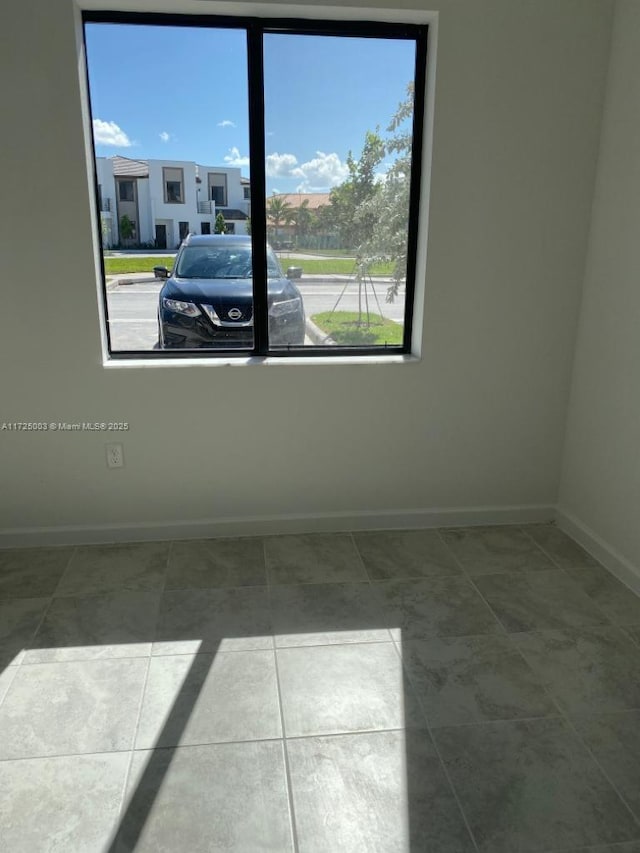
point(207, 207)
point(105, 205)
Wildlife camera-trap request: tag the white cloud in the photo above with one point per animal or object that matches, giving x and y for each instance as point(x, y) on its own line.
point(321, 173)
point(226, 122)
point(233, 158)
point(164, 136)
point(325, 170)
point(108, 133)
point(280, 165)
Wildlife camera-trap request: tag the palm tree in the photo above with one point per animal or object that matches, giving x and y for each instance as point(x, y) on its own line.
point(303, 218)
point(279, 212)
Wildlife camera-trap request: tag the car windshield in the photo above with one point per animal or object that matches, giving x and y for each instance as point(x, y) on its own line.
point(221, 262)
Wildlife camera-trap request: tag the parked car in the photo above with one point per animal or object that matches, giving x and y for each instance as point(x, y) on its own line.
point(207, 299)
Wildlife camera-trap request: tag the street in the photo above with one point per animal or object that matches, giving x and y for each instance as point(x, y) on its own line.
point(133, 307)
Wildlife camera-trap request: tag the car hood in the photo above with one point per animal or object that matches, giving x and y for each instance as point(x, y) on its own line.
point(212, 290)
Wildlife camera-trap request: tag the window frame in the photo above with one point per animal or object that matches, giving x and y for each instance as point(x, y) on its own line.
point(255, 29)
point(222, 186)
point(165, 181)
point(122, 182)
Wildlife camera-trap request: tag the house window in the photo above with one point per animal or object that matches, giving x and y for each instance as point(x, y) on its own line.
point(173, 180)
point(218, 189)
point(126, 191)
point(332, 170)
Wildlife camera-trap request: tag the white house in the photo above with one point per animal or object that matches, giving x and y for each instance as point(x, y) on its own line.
point(167, 199)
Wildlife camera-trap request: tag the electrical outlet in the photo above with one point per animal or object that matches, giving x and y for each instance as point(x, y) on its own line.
point(115, 456)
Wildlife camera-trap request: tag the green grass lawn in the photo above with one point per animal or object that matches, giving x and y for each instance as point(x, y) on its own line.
point(344, 328)
point(330, 266)
point(325, 253)
point(117, 266)
point(319, 266)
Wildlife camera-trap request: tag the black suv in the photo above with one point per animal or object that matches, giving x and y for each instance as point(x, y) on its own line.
point(207, 300)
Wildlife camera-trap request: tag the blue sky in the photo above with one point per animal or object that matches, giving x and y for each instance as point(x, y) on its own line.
point(181, 93)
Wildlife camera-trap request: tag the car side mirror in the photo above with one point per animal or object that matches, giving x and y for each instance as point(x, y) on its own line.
point(294, 272)
point(161, 272)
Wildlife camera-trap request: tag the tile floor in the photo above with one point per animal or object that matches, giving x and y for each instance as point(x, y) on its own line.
point(455, 691)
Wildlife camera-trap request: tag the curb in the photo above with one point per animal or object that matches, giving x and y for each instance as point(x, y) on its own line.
point(114, 281)
point(317, 336)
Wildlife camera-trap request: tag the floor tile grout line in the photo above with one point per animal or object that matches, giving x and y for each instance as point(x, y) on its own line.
point(223, 743)
point(439, 756)
point(546, 553)
point(127, 775)
point(15, 668)
point(360, 557)
point(74, 551)
point(267, 578)
point(610, 619)
point(54, 755)
point(166, 568)
point(471, 581)
point(550, 556)
point(623, 628)
point(585, 745)
point(285, 752)
point(568, 721)
point(41, 621)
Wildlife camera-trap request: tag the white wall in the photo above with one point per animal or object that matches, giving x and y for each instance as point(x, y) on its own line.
point(160, 210)
point(104, 172)
point(146, 225)
point(600, 486)
point(478, 422)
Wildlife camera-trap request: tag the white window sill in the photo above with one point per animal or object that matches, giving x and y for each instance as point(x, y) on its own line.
point(256, 361)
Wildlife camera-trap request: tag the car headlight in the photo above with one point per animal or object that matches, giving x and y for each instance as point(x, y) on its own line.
point(289, 306)
point(180, 307)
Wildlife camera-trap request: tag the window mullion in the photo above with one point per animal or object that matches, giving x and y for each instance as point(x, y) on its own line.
point(255, 70)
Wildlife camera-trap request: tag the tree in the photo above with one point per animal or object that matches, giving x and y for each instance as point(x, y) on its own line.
point(127, 228)
point(247, 226)
point(303, 219)
point(220, 226)
point(390, 208)
point(279, 212)
point(105, 229)
point(351, 207)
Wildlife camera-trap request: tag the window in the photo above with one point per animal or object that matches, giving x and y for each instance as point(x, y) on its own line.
point(218, 189)
point(173, 185)
point(327, 150)
point(126, 191)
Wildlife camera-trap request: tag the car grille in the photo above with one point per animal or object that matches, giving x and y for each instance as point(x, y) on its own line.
point(246, 313)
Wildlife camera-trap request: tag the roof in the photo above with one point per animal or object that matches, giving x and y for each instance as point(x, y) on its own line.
point(295, 200)
point(126, 167)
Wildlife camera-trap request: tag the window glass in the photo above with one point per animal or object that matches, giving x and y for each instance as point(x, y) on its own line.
point(332, 197)
point(126, 190)
point(154, 150)
point(338, 162)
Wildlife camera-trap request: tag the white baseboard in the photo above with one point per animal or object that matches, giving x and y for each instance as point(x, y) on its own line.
point(606, 554)
point(274, 525)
